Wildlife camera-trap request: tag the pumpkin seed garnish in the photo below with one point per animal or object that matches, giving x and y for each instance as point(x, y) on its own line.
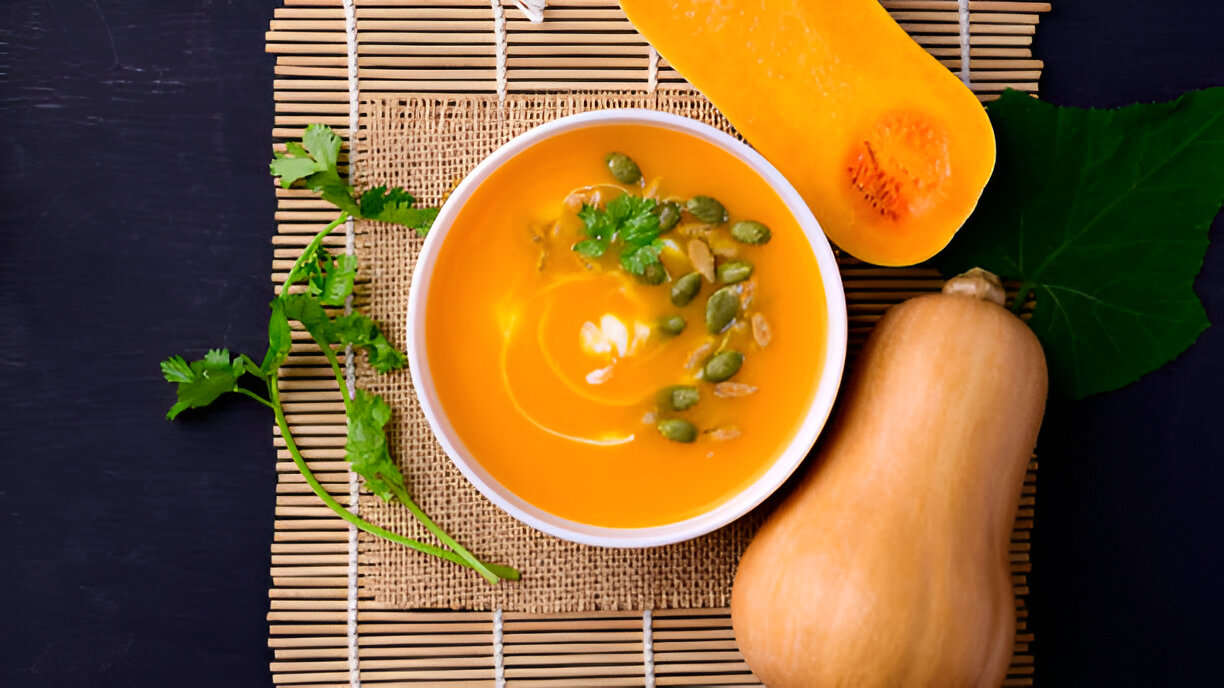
point(623, 168)
point(685, 289)
point(723, 366)
point(678, 397)
point(672, 324)
point(678, 430)
point(750, 232)
point(707, 209)
point(721, 309)
point(734, 271)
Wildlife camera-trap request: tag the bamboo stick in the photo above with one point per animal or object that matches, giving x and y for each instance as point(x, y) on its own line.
point(573, 648)
point(593, 657)
point(572, 624)
point(408, 676)
point(574, 671)
point(588, 681)
point(569, 637)
point(667, 680)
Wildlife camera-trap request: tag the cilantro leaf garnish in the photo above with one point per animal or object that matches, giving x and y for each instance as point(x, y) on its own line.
point(593, 248)
point(201, 382)
point(636, 258)
point(360, 332)
point(314, 162)
point(315, 286)
point(354, 330)
point(280, 339)
point(395, 205)
point(627, 220)
point(366, 446)
point(1102, 216)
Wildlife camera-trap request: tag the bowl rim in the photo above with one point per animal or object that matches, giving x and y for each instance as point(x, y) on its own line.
point(732, 508)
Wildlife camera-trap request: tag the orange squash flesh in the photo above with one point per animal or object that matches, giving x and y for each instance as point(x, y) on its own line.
point(889, 149)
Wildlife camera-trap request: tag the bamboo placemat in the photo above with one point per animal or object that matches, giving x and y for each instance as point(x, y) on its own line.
point(327, 627)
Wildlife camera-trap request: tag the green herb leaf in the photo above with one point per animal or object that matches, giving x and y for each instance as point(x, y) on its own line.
point(593, 248)
point(597, 224)
point(294, 164)
point(366, 446)
point(380, 205)
point(363, 333)
point(307, 310)
point(201, 382)
point(629, 220)
point(330, 278)
point(313, 162)
point(636, 259)
point(280, 340)
point(1102, 215)
point(323, 144)
point(354, 329)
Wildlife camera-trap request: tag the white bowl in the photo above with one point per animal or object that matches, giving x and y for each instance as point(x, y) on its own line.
point(724, 513)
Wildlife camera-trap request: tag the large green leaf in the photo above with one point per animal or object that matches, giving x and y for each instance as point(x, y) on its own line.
point(1102, 215)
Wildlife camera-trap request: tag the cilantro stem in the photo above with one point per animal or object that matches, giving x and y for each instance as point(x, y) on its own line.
point(310, 251)
point(283, 423)
point(479, 566)
point(400, 493)
point(256, 397)
point(334, 361)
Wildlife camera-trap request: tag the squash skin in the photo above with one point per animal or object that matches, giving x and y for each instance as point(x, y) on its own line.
point(887, 567)
point(889, 149)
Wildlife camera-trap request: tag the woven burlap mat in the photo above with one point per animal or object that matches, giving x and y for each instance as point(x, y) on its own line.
point(426, 144)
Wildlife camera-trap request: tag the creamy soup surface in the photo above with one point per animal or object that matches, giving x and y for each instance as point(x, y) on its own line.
point(549, 363)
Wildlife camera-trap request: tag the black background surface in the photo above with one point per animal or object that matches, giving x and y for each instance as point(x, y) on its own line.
point(137, 213)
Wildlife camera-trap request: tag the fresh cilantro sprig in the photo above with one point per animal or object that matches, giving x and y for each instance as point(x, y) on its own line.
point(323, 283)
point(1102, 217)
point(314, 162)
point(627, 221)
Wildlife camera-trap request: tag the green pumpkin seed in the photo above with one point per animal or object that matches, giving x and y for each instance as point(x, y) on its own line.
point(723, 366)
point(707, 209)
point(678, 397)
point(721, 309)
point(678, 430)
point(672, 325)
point(653, 274)
point(734, 271)
point(623, 168)
point(669, 215)
point(750, 232)
point(685, 289)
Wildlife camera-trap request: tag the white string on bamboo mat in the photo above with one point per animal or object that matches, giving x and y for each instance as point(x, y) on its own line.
point(350, 371)
point(532, 9)
point(963, 19)
point(499, 651)
point(648, 666)
point(652, 70)
point(499, 47)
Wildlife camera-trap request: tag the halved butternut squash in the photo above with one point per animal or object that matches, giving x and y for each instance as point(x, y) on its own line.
point(889, 149)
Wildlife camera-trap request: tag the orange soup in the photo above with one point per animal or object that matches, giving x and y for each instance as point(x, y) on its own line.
point(564, 373)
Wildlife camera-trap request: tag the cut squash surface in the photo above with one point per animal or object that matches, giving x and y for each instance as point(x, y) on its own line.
point(889, 149)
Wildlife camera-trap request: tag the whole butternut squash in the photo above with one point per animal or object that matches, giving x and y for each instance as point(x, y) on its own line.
point(887, 567)
point(888, 147)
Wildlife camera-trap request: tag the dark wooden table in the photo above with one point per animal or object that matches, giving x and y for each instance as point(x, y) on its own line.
point(137, 212)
